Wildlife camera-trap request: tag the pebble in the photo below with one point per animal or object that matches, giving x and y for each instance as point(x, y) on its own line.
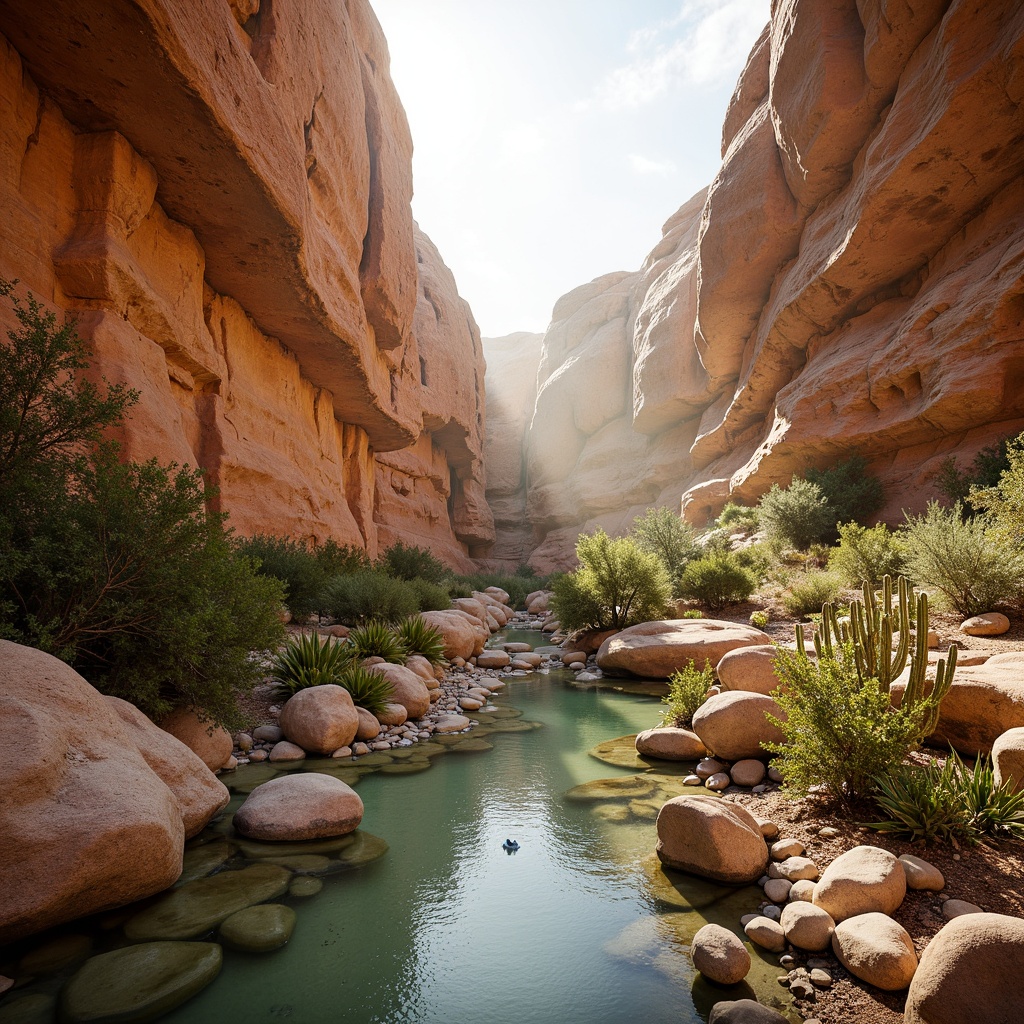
point(708, 767)
point(758, 790)
point(772, 913)
point(821, 978)
point(5, 983)
point(828, 832)
point(802, 891)
point(747, 918)
point(784, 848)
point(777, 889)
point(692, 780)
point(774, 774)
point(801, 988)
point(957, 908)
point(258, 755)
point(786, 959)
point(720, 780)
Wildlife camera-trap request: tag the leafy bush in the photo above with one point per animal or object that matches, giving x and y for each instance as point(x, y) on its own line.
point(841, 732)
point(430, 597)
point(985, 471)
point(377, 639)
point(410, 563)
point(662, 532)
point(717, 580)
point(972, 568)
point(797, 516)
point(760, 618)
point(419, 638)
point(308, 660)
point(866, 554)
point(616, 585)
point(368, 690)
point(687, 690)
point(809, 593)
point(693, 613)
point(736, 516)
point(117, 568)
point(1004, 500)
point(853, 494)
point(370, 595)
point(340, 559)
point(294, 564)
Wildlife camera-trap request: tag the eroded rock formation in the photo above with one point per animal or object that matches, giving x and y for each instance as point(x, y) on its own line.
point(850, 282)
point(220, 193)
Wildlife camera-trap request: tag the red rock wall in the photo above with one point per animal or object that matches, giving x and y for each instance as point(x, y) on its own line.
point(853, 284)
point(220, 192)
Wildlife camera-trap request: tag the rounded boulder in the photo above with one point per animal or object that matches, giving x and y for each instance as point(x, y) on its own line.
point(807, 926)
point(749, 668)
point(670, 744)
point(863, 880)
point(876, 949)
point(407, 689)
point(734, 724)
point(320, 719)
point(719, 955)
point(209, 741)
point(1008, 759)
point(296, 807)
point(744, 1011)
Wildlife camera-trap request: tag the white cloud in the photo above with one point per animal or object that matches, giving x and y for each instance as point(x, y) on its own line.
point(645, 165)
point(705, 45)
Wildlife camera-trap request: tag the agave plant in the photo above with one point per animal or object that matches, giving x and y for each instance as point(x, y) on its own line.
point(310, 660)
point(419, 638)
point(369, 690)
point(377, 639)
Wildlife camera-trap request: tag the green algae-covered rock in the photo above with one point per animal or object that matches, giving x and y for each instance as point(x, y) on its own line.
point(629, 787)
point(259, 929)
point(305, 886)
point(200, 861)
point(406, 767)
point(34, 1008)
point(363, 849)
point(200, 906)
point(55, 955)
point(305, 863)
point(138, 983)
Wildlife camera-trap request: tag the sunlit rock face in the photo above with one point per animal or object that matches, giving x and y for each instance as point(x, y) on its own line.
point(850, 282)
point(220, 193)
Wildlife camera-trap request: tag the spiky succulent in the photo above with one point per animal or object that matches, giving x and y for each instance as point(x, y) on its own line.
point(420, 638)
point(309, 660)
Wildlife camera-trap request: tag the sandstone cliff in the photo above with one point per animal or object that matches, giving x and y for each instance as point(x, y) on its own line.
point(850, 282)
point(220, 191)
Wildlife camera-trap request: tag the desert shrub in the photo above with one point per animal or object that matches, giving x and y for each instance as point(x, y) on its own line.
point(341, 559)
point(760, 618)
point(797, 516)
point(663, 533)
point(687, 690)
point(987, 467)
point(377, 639)
point(809, 592)
point(736, 517)
point(758, 558)
point(308, 660)
point(841, 732)
point(410, 563)
point(853, 494)
point(866, 554)
point(617, 585)
point(368, 690)
point(717, 580)
point(693, 613)
point(294, 564)
point(117, 568)
point(370, 595)
point(1004, 500)
point(526, 571)
point(419, 638)
point(430, 597)
point(973, 568)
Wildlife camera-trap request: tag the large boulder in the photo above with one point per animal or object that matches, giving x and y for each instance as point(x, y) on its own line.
point(863, 880)
point(807, 926)
point(654, 650)
point(712, 838)
point(407, 688)
point(463, 635)
point(734, 725)
point(973, 970)
point(984, 702)
point(749, 668)
point(210, 741)
point(876, 949)
point(197, 791)
point(87, 824)
point(719, 955)
point(1008, 758)
point(320, 718)
point(670, 744)
point(296, 807)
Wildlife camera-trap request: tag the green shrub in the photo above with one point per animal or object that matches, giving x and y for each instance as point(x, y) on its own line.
point(662, 532)
point(866, 554)
point(973, 568)
point(853, 494)
point(526, 572)
point(419, 638)
point(368, 690)
point(370, 595)
point(377, 639)
point(809, 593)
point(717, 580)
point(687, 690)
point(308, 660)
point(1004, 500)
point(341, 559)
point(797, 516)
point(117, 568)
point(736, 517)
point(693, 613)
point(760, 618)
point(410, 563)
point(996, 811)
point(841, 731)
point(430, 597)
point(985, 471)
point(617, 585)
point(294, 564)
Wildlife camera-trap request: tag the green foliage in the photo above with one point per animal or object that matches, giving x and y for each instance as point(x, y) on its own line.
point(716, 580)
point(866, 554)
point(964, 559)
point(736, 516)
point(852, 493)
point(662, 532)
point(810, 591)
point(430, 597)
point(410, 563)
point(986, 469)
point(526, 571)
point(370, 595)
point(687, 690)
point(340, 559)
point(1004, 500)
point(294, 564)
point(377, 639)
point(308, 660)
point(368, 690)
point(841, 731)
point(118, 569)
point(693, 613)
point(419, 638)
point(760, 618)
point(617, 585)
point(797, 516)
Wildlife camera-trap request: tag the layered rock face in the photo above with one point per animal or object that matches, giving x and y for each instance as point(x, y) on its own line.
point(850, 283)
point(220, 193)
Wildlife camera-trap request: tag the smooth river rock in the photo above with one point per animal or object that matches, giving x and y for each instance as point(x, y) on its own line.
point(297, 807)
point(261, 928)
point(208, 740)
point(733, 725)
point(876, 949)
point(320, 719)
point(407, 688)
point(719, 955)
point(670, 744)
point(861, 881)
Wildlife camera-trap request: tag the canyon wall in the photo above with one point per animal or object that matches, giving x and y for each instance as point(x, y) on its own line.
point(219, 191)
point(850, 282)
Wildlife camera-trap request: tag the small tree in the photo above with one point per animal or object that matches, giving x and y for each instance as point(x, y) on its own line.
point(663, 533)
point(1004, 500)
point(853, 494)
point(798, 516)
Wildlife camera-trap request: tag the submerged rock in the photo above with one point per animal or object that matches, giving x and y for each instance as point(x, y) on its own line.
point(259, 929)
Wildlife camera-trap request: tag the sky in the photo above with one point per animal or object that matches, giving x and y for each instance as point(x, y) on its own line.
point(553, 138)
